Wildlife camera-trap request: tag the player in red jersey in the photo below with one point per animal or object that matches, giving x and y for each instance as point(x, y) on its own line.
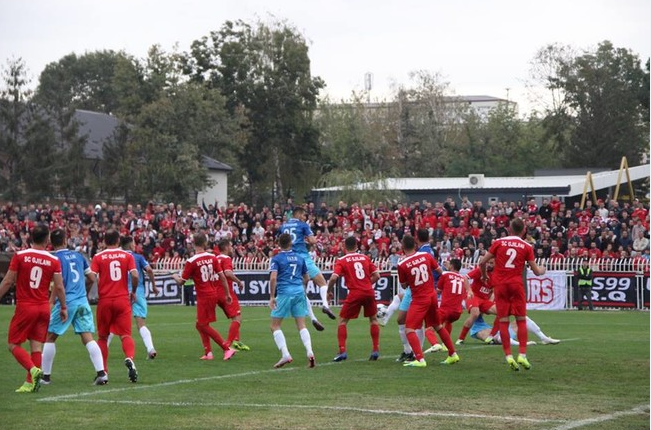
point(480, 302)
point(511, 254)
point(112, 267)
point(360, 274)
point(415, 271)
point(206, 272)
point(232, 310)
point(32, 270)
point(454, 287)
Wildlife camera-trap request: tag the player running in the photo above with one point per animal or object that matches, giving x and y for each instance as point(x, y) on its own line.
point(232, 310)
point(32, 270)
point(77, 281)
point(288, 277)
point(212, 289)
point(360, 274)
point(302, 235)
point(511, 254)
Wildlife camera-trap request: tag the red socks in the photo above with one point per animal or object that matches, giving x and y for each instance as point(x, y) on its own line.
point(414, 342)
point(523, 335)
point(375, 336)
point(342, 334)
point(234, 331)
point(464, 332)
point(506, 338)
point(447, 341)
point(430, 334)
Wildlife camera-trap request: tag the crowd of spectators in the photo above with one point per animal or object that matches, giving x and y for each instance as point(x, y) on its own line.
point(461, 229)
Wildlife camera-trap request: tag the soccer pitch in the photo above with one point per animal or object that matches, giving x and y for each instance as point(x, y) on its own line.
point(596, 378)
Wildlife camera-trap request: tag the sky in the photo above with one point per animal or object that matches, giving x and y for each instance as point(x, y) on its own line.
point(481, 47)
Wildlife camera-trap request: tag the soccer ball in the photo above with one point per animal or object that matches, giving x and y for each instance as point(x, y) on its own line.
point(381, 310)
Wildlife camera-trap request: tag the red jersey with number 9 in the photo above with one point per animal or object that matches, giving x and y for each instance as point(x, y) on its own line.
point(112, 266)
point(511, 254)
point(34, 270)
point(356, 270)
point(416, 271)
point(203, 269)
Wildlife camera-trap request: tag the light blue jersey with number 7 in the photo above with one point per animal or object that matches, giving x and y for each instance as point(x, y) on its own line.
point(290, 268)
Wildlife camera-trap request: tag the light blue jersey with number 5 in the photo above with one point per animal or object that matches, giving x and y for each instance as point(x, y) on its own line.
point(290, 268)
point(298, 230)
point(73, 269)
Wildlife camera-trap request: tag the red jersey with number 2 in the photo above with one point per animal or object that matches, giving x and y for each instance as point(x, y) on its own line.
point(416, 271)
point(356, 270)
point(511, 254)
point(113, 266)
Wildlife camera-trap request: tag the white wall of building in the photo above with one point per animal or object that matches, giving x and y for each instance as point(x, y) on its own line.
point(217, 191)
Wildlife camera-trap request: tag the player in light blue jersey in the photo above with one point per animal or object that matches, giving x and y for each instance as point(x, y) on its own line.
point(481, 330)
point(77, 282)
point(139, 306)
point(288, 277)
point(302, 236)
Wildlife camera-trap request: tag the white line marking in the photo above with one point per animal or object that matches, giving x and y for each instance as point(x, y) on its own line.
point(317, 407)
point(580, 423)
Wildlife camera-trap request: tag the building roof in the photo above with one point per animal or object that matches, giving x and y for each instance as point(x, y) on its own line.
point(563, 185)
point(212, 164)
point(99, 128)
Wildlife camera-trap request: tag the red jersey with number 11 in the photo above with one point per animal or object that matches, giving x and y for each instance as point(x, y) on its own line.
point(511, 254)
point(356, 270)
point(113, 265)
point(453, 291)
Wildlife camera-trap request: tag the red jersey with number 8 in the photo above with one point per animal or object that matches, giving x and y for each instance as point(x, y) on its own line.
point(204, 269)
point(356, 270)
point(34, 269)
point(113, 266)
point(511, 254)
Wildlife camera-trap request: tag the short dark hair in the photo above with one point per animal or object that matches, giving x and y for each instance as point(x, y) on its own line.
point(112, 237)
point(199, 239)
point(285, 241)
point(455, 263)
point(517, 226)
point(58, 237)
point(351, 243)
point(223, 244)
point(408, 242)
point(298, 209)
point(40, 234)
point(423, 235)
point(125, 241)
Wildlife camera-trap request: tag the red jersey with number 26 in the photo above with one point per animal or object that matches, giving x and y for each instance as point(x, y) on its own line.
point(453, 291)
point(511, 254)
point(356, 270)
point(113, 265)
point(34, 270)
point(416, 271)
point(203, 269)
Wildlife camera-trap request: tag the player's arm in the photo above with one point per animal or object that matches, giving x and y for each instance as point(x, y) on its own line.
point(536, 269)
point(152, 278)
point(227, 291)
point(230, 275)
point(60, 292)
point(134, 283)
point(90, 280)
point(332, 281)
point(273, 279)
point(7, 282)
point(466, 284)
point(375, 276)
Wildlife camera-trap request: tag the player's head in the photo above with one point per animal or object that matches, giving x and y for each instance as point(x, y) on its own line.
point(285, 241)
point(40, 234)
point(422, 235)
point(517, 227)
point(350, 243)
point(58, 238)
point(200, 240)
point(455, 264)
point(408, 243)
point(224, 246)
point(112, 237)
point(126, 242)
point(298, 212)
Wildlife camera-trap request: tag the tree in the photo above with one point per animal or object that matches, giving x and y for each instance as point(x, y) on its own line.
point(602, 112)
point(264, 73)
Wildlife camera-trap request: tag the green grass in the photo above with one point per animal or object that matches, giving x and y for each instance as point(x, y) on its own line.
point(600, 370)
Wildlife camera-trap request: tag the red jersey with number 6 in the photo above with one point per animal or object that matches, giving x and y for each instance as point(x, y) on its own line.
point(34, 269)
point(511, 254)
point(416, 271)
point(113, 265)
point(203, 269)
point(356, 270)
